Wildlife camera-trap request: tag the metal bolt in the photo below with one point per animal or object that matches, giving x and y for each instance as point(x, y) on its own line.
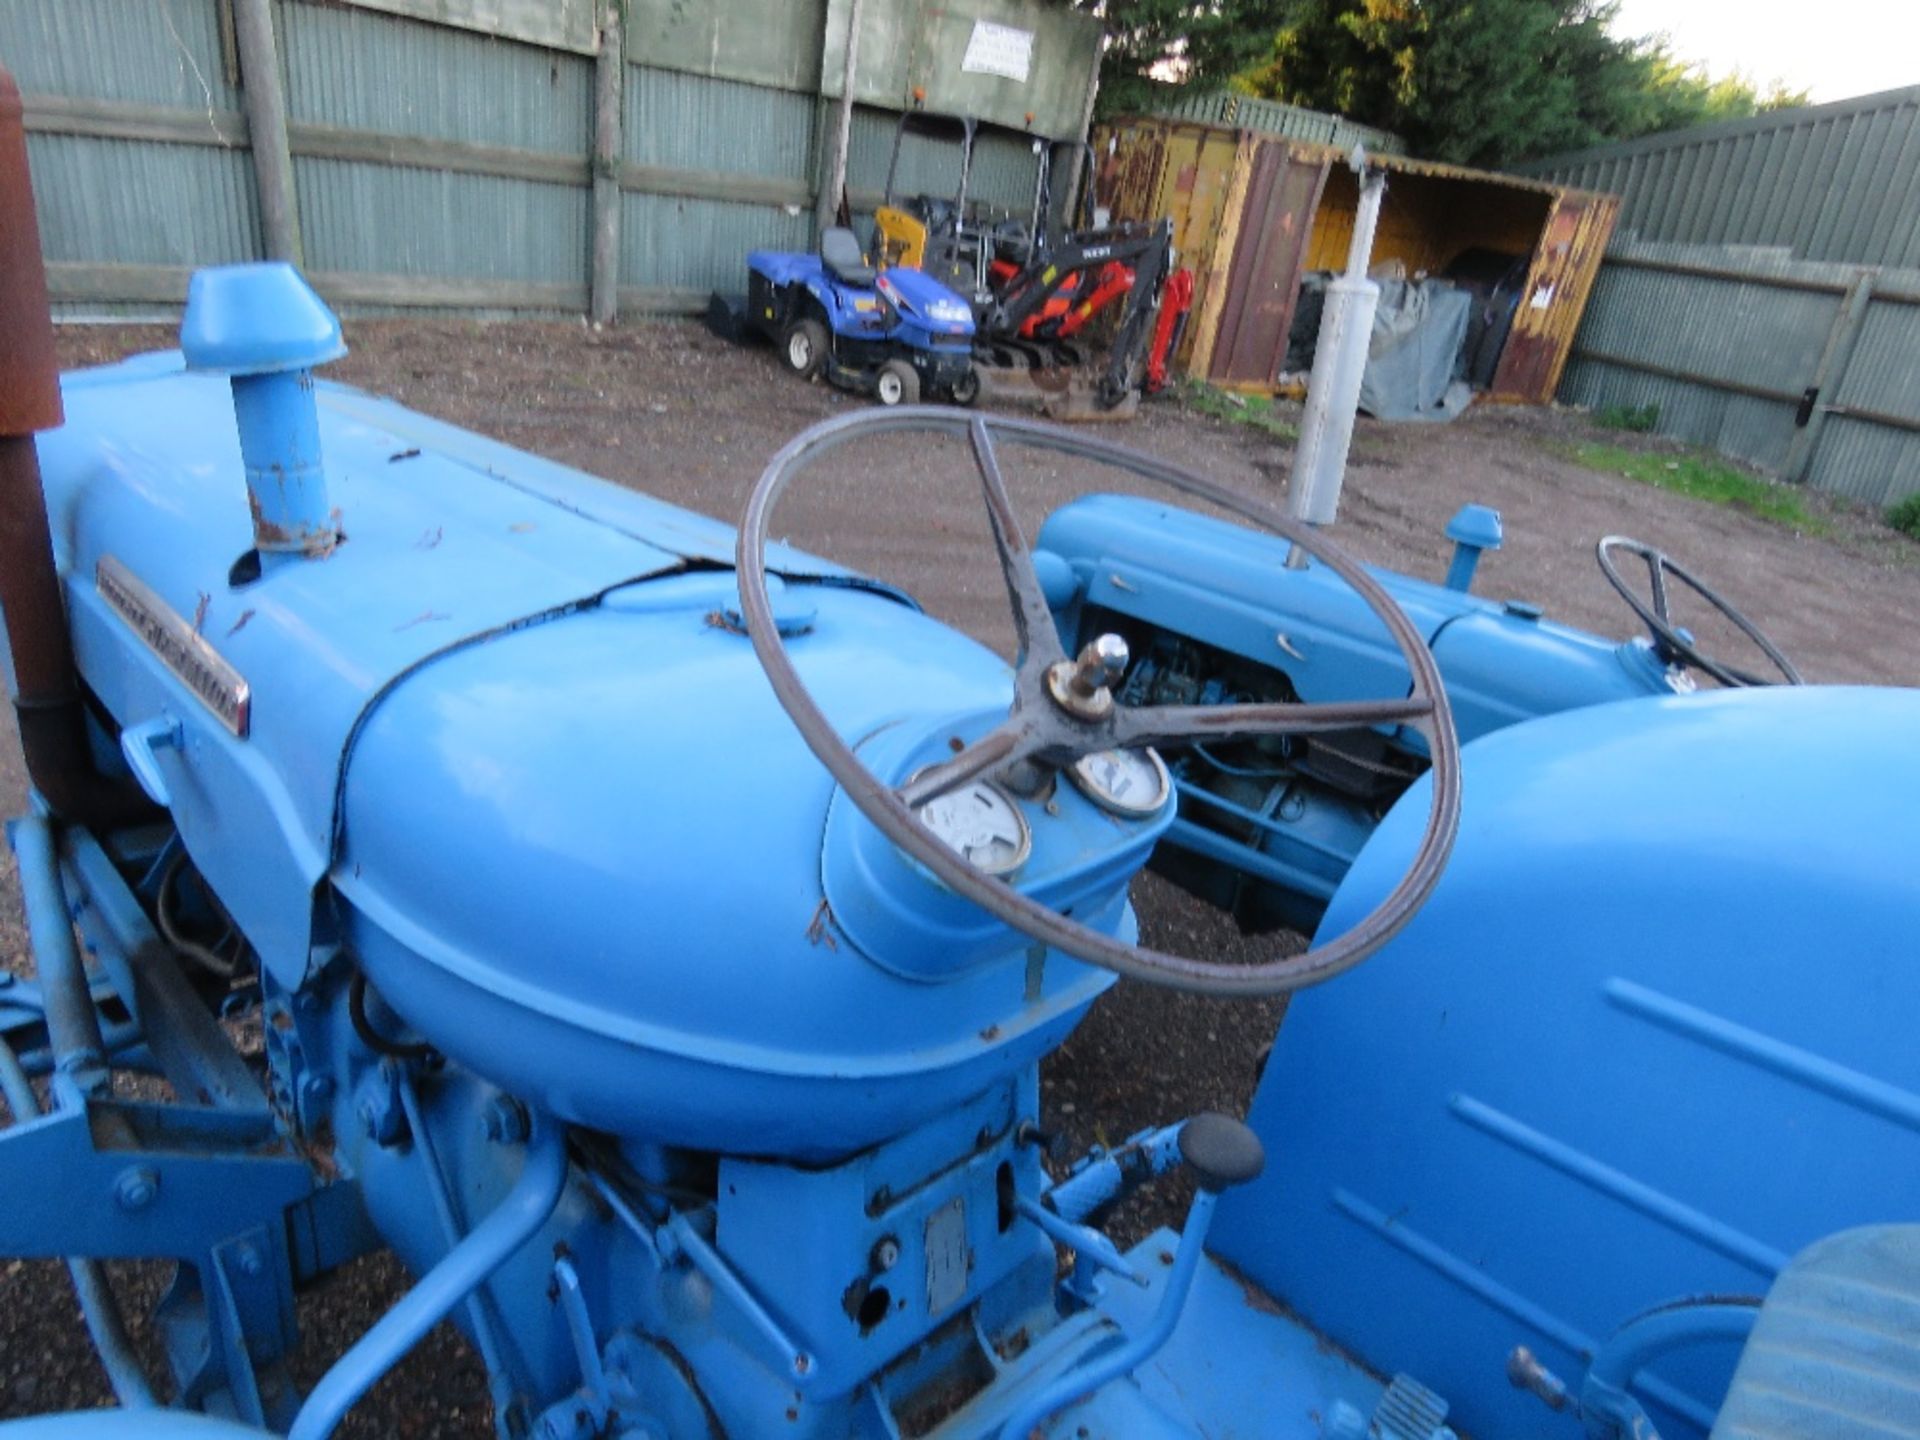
point(249, 1261)
point(504, 1121)
point(886, 1253)
point(136, 1187)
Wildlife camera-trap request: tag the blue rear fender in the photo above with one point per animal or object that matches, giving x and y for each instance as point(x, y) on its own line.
point(1650, 1037)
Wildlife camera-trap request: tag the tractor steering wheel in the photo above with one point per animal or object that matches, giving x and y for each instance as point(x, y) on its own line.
point(1672, 642)
point(1063, 708)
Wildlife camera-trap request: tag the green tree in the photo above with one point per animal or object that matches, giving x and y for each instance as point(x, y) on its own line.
point(1476, 82)
point(1491, 82)
point(1152, 45)
point(1679, 94)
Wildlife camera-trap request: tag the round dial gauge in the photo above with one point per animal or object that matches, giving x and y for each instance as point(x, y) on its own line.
point(1127, 782)
point(981, 824)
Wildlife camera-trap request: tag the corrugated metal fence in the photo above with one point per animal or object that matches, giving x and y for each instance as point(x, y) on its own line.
point(1807, 369)
point(1829, 182)
point(437, 165)
point(1764, 290)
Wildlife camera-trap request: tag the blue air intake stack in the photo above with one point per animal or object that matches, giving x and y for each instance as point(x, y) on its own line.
point(263, 326)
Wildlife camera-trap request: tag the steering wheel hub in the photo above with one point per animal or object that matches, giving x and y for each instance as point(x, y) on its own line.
point(1083, 686)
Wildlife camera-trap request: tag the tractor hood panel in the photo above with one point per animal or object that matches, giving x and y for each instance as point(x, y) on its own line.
point(238, 678)
point(586, 859)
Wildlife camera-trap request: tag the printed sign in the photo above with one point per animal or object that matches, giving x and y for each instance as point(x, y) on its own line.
point(999, 50)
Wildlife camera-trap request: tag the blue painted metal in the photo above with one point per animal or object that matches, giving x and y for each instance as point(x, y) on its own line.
point(263, 326)
point(73, 1027)
point(1139, 1347)
point(101, 1312)
point(1474, 530)
point(1606, 1404)
point(543, 1173)
point(1628, 1011)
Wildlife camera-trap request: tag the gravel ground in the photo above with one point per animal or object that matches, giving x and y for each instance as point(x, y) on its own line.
point(666, 408)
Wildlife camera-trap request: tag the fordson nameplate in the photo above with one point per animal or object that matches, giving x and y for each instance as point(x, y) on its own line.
point(167, 633)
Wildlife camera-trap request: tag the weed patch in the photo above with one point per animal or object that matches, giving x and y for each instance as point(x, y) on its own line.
point(1702, 478)
point(1640, 419)
point(1904, 516)
point(1255, 410)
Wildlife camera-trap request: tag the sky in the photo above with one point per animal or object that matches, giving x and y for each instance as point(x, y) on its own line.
point(1835, 48)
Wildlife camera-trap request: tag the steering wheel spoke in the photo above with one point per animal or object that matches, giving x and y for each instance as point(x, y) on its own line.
point(1184, 724)
point(1008, 743)
point(1037, 642)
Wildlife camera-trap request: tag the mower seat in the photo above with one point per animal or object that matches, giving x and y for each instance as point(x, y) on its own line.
point(1835, 1352)
point(840, 253)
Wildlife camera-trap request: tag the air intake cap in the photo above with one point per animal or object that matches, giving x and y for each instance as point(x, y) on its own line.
point(263, 326)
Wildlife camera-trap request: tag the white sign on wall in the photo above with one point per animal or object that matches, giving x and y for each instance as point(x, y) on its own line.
point(999, 50)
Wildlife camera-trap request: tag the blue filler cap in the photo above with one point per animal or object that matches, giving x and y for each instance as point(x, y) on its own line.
point(258, 319)
point(1474, 529)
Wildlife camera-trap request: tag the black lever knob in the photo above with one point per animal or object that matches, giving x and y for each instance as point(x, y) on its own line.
point(1221, 1151)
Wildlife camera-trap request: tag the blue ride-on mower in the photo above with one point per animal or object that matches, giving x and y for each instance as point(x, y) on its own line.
point(899, 337)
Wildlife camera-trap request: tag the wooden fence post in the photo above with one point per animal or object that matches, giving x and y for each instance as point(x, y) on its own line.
point(609, 103)
point(1829, 375)
point(267, 131)
point(827, 202)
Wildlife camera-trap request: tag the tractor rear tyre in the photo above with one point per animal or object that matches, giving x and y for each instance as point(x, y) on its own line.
point(898, 383)
point(966, 390)
point(803, 347)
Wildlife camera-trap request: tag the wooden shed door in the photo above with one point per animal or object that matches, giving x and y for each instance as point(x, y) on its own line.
point(1275, 222)
point(1577, 231)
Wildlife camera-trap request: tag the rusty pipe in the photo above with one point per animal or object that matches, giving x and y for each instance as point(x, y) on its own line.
point(46, 686)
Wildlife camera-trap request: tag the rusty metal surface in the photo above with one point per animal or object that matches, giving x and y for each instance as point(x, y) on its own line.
point(46, 687)
point(1271, 117)
point(29, 378)
point(1037, 732)
point(1263, 281)
point(1554, 298)
point(1251, 210)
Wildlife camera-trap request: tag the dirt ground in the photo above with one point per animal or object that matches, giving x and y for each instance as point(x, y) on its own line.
point(666, 408)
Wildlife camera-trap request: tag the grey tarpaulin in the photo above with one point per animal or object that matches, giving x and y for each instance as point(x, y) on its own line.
point(1418, 331)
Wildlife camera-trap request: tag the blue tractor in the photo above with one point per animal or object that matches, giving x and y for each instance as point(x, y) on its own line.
point(657, 952)
point(1215, 614)
point(900, 336)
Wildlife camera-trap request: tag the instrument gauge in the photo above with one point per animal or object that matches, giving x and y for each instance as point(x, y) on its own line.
point(981, 824)
point(1133, 783)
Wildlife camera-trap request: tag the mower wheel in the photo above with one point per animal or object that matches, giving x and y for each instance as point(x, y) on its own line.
point(803, 347)
point(897, 384)
point(966, 390)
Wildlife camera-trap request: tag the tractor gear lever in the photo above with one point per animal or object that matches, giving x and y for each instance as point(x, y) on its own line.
point(1222, 1152)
